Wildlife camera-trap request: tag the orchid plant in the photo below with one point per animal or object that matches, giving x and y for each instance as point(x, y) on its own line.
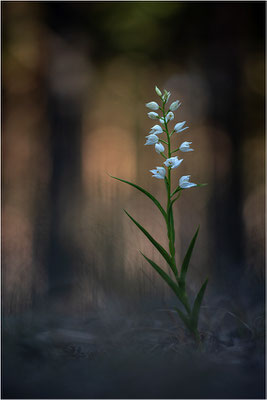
point(177, 279)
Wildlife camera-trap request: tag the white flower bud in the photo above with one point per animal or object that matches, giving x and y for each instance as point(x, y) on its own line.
point(173, 162)
point(159, 148)
point(152, 105)
point(166, 96)
point(185, 147)
point(152, 115)
point(151, 139)
point(169, 116)
point(179, 127)
point(158, 173)
point(184, 182)
point(156, 129)
point(158, 91)
point(175, 105)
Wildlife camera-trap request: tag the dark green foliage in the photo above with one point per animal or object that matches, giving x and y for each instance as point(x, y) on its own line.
point(155, 201)
point(187, 258)
point(197, 305)
point(158, 246)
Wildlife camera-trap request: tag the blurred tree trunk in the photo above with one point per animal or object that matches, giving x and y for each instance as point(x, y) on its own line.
point(66, 87)
point(223, 67)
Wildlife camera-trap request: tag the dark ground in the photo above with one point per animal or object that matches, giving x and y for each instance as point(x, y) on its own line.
point(111, 354)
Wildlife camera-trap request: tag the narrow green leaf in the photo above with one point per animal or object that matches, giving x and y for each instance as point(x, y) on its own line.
point(188, 257)
point(158, 246)
point(197, 304)
point(176, 190)
point(184, 318)
point(179, 188)
point(165, 276)
point(156, 202)
point(176, 198)
point(163, 141)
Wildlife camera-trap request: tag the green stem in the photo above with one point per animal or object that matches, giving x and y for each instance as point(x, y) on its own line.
point(176, 190)
point(170, 224)
point(163, 141)
point(171, 230)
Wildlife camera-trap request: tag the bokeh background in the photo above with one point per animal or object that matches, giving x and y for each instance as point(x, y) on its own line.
point(76, 77)
point(75, 80)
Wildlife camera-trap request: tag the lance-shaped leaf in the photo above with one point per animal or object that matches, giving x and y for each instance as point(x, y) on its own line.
point(197, 304)
point(158, 246)
point(165, 276)
point(176, 198)
point(188, 257)
point(186, 320)
point(180, 189)
point(176, 190)
point(155, 201)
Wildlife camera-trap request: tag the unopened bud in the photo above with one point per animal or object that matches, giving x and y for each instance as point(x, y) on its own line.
point(158, 91)
point(175, 105)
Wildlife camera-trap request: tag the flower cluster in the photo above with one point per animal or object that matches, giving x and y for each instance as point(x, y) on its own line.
point(171, 162)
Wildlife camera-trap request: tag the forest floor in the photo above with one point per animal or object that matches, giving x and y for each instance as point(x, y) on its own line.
point(147, 355)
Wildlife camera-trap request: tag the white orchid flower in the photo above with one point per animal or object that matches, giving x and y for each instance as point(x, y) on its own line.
point(166, 96)
point(169, 116)
point(158, 173)
point(152, 115)
point(173, 162)
point(185, 146)
point(156, 129)
point(151, 139)
point(158, 91)
point(152, 105)
point(176, 104)
point(184, 182)
point(159, 148)
point(179, 127)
